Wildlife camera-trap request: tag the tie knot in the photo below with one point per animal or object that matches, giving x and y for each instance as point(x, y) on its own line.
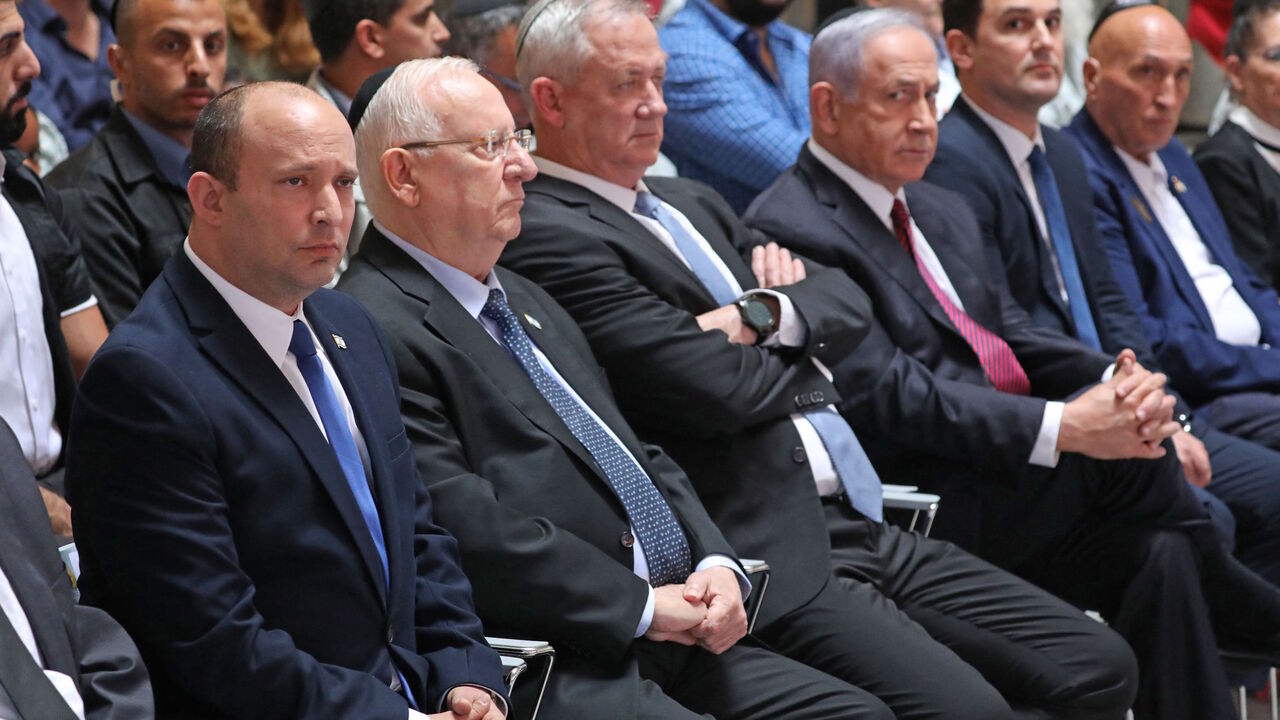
point(647, 203)
point(496, 308)
point(899, 215)
point(1035, 158)
point(301, 344)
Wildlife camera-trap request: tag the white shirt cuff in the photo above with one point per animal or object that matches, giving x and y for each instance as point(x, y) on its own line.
point(792, 329)
point(646, 618)
point(718, 560)
point(1106, 374)
point(1045, 452)
point(93, 300)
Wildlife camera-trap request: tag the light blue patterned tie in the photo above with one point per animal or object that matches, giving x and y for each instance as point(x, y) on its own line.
point(853, 467)
point(1055, 217)
point(661, 538)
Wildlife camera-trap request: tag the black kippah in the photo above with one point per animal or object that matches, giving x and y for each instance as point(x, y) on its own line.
point(1117, 6)
point(365, 94)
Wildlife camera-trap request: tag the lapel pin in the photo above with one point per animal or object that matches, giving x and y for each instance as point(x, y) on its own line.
point(1178, 187)
point(1140, 207)
point(532, 321)
point(337, 340)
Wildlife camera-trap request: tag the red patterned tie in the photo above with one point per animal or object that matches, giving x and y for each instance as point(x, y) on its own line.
point(994, 354)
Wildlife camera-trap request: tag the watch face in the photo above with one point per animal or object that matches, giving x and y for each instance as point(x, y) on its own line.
point(758, 315)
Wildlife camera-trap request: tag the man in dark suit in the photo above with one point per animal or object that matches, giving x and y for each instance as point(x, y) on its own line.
point(58, 660)
point(1211, 322)
point(957, 386)
point(528, 458)
point(1241, 162)
point(750, 423)
point(126, 190)
point(1029, 188)
point(245, 497)
point(49, 320)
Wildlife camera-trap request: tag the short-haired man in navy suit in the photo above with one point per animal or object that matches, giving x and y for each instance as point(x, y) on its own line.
point(1029, 188)
point(1211, 321)
point(247, 505)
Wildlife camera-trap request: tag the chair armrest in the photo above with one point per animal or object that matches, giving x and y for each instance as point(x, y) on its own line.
point(915, 503)
point(532, 658)
point(887, 487)
point(758, 573)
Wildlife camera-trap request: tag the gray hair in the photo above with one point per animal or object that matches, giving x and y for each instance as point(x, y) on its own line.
point(397, 115)
point(552, 40)
point(836, 53)
point(472, 36)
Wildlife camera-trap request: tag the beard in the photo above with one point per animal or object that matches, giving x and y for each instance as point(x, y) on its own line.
point(756, 13)
point(14, 122)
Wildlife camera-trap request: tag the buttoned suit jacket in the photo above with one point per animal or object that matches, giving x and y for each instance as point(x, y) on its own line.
point(80, 642)
point(1155, 280)
point(723, 411)
point(1248, 188)
point(972, 162)
point(914, 390)
point(129, 217)
point(215, 523)
point(543, 536)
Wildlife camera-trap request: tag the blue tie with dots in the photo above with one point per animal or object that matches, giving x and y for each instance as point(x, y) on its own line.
point(661, 538)
point(853, 468)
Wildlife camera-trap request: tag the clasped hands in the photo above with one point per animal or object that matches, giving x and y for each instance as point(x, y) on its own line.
point(705, 611)
point(773, 267)
point(1128, 416)
point(469, 703)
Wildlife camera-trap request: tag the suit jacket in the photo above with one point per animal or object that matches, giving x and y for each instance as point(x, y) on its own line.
point(533, 513)
point(723, 411)
point(1243, 181)
point(81, 642)
point(1159, 288)
point(362, 215)
point(972, 161)
point(130, 218)
point(64, 282)
point(215, 522)
point(915, 390)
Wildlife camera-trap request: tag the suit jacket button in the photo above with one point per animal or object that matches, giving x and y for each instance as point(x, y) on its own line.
point(821, 346)
point(798, 454)
point(800, 401)
point(819, 398)
point(627, 539)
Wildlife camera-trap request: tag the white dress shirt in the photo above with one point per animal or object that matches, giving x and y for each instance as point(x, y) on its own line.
point(1233, 320)
point(1261, 130)
point(1045, 450)
point(472, 295)
point(65, 686)
point(792, 331)
point(948, 85)
point(27, 396)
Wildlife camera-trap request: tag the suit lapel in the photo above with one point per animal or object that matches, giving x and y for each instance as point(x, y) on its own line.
point(230, 346)
point(42, 609)
point(709, 228)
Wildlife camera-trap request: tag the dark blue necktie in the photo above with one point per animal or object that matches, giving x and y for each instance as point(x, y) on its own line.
point(340, 438)
point(852, 466)
point(661, 538)
point(1055, 217)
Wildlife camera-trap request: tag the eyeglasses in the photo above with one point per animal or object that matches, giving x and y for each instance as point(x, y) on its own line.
point(493, 144)
point(509, 83)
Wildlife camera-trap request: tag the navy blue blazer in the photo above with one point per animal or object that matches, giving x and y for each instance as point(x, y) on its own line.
point(214, 521)
point(1148, 268)
point(972, 161)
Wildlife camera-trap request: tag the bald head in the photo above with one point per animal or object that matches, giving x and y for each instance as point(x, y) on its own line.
point(218, 135)
point(1137, 78)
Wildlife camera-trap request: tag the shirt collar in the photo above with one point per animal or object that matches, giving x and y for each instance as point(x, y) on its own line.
point(1148, 176)
point(469, 292)
point(172, 157)
point(271, 328)
point(339, 98)
point(623, 197)
point(1255, 126)
point(876, 196)
point(1015, 142)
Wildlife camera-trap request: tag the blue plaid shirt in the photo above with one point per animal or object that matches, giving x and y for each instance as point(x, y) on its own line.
point(72, 90)
point(730, 123)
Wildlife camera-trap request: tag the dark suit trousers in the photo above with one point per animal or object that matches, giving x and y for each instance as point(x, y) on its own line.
point(1252, 415)
point(1140, 550)
point(935, 632)
point(1246, 478)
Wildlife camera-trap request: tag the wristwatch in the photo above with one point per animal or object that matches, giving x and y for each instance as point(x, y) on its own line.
point(757, 316)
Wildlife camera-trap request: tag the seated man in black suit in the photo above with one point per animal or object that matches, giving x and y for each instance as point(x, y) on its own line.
point(1029, 188)
point(953, 381)
point(572, 529)
point(1241, 162)
point(753, 425)
point(50, 324)
point(245, 498)
point(78, 662)
point(126, 191)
